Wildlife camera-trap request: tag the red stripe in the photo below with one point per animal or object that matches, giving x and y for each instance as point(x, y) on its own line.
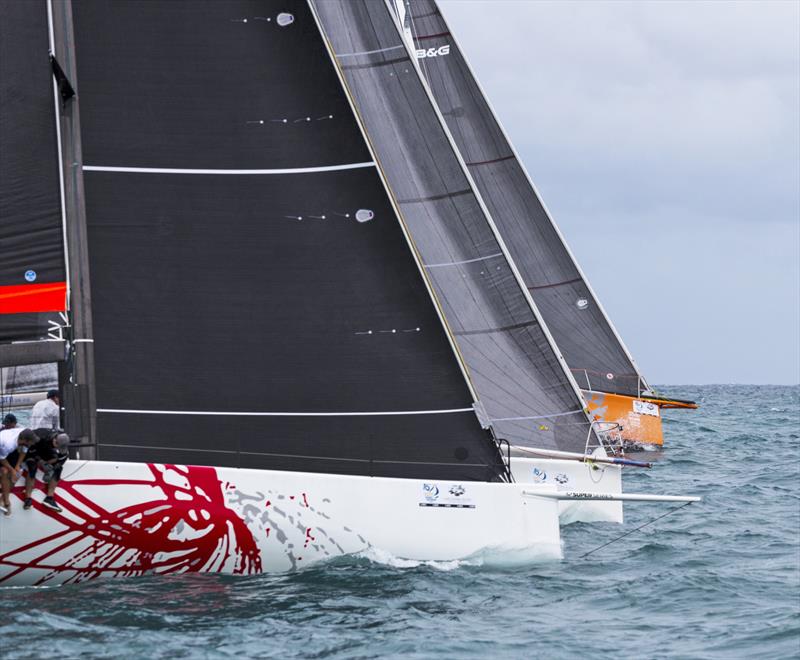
point(26, 298)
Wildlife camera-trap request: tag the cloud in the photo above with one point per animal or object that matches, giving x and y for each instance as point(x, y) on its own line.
point(674, 126)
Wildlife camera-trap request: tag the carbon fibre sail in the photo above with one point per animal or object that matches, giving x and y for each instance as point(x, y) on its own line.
point(33, 288)
point(522, 383)
point(590, 344)
point(255, 301)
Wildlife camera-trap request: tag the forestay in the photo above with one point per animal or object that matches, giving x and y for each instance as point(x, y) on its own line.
point(255, 301)
point(583, 333)
point(33, 290)
point(515, 370)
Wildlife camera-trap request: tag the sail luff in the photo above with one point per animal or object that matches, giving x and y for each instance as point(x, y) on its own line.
point(488, 216)
point(432, 16)
point(398, 212)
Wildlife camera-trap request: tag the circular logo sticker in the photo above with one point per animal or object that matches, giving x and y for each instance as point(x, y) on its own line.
point(30, 275)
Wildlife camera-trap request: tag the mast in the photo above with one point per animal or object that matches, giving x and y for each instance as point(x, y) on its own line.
point(76, 377)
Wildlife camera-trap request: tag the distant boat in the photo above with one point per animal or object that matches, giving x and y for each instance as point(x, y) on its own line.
point(213, 239)
point(614, 388)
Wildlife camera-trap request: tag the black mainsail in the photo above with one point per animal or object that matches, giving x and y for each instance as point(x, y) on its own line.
point(33, 283)
point(590, 344)
point(522, 382)
point(255, 300)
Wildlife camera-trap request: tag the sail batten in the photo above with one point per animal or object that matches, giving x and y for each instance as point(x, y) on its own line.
point(175, 170)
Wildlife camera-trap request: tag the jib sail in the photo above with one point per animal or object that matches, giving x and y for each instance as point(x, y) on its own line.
point(524, 387)
point(592, 348)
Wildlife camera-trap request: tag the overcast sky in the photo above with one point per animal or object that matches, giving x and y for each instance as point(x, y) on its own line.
point(665, 139)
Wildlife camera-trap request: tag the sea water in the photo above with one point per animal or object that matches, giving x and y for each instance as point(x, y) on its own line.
point(718, 579)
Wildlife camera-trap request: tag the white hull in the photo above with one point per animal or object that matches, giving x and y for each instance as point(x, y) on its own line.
point(124, 519)
point(566, 475)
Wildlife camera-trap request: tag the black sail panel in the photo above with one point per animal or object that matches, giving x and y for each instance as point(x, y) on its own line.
point(255, 302)
point(516, 372)
point(32, 274)
point(579, 326)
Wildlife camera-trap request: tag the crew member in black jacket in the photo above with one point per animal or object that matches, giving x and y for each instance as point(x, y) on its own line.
point(48, 455)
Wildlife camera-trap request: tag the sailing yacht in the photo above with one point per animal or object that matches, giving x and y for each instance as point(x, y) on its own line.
point(280, 319)
point(614, 388)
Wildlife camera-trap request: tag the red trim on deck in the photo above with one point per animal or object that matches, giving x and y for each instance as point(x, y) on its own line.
point(28, 298)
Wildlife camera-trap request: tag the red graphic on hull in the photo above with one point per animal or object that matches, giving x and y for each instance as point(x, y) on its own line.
point(190, 528)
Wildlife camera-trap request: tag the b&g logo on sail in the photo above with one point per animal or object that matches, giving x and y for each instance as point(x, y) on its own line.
point(433, 52)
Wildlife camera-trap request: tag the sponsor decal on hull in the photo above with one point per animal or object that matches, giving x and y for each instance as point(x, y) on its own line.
point(175, 519)
point(446, 496)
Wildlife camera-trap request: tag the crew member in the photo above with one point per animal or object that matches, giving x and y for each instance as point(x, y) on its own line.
point(48, 454)
point(46, 414)
point(9, 421)
point(14, 445)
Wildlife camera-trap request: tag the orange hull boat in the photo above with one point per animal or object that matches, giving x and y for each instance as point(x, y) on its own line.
point(639, 418)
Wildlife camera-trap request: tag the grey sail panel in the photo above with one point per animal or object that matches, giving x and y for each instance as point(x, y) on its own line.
point(32, 273)
point(513, 367)
point(579, 326)
point(255, 302)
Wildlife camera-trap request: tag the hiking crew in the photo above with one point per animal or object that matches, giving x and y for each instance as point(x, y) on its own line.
point(48, 454)
point(14, 443)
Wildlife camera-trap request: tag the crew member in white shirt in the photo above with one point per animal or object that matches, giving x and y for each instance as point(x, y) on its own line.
point(14, 443)
point(46, 414)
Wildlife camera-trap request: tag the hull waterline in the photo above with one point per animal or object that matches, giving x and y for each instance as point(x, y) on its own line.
point(128, 519)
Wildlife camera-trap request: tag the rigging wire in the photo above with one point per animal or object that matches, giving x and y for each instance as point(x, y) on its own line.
point(635, 529)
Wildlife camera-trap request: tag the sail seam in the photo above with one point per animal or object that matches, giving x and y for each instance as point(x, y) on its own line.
point(286, 414)
point(503, 328)
point(369, 52)
point(562, 414)
point(489, 162)
point(176, 170)
point(433, 36)
point(550, 286)
point(372, 65)
point(434, 198)
point(465, 261)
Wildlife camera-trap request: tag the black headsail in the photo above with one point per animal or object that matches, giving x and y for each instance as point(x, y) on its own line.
point(583, 332)
point(255, 301)
point(522, 383)
point(33, 283)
